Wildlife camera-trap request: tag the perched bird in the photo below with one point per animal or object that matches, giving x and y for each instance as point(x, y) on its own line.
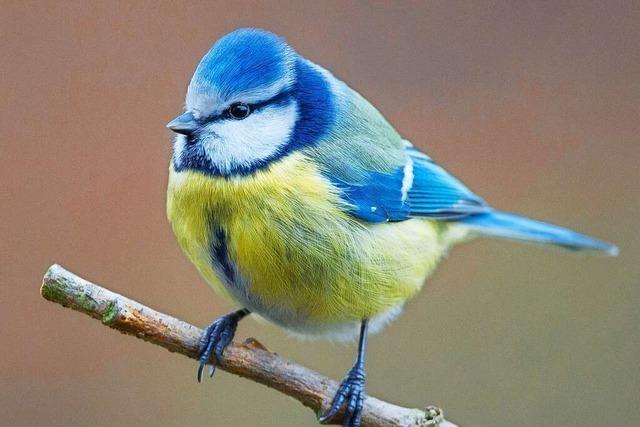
point(297, 201)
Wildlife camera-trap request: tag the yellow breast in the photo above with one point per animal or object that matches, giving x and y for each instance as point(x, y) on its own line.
point(297, 257)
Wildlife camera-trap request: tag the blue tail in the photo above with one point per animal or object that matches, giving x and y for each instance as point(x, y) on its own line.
point(510, 226)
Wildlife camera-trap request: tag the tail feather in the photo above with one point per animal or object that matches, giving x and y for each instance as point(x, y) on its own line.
point(515, 227)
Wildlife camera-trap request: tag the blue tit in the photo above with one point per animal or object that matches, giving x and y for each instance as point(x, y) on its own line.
point(298, 202)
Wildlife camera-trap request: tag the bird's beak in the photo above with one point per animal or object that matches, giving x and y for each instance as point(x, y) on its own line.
point(185, 124)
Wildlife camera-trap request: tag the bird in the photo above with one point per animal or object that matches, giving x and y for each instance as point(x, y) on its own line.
point(299, 203)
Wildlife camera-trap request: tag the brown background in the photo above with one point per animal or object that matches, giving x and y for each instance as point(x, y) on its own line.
point(535, 105)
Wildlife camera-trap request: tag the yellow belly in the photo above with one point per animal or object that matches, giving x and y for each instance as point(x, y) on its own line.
point(298, 258)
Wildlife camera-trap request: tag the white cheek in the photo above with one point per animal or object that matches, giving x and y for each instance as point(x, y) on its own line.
point(244, 143)
point(179, 143)
point(178, 147)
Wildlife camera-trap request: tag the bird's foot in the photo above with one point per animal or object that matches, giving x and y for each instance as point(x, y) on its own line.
point(350, 394)
point(216, 338)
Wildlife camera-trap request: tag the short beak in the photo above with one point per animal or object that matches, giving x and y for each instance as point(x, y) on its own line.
point(185, 124)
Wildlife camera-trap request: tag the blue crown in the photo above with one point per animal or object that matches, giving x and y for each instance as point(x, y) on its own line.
point(243, 60)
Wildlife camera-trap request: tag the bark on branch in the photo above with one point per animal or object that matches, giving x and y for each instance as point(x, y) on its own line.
point(249, 359)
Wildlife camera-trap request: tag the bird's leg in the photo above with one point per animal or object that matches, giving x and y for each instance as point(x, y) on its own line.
point(216, 338)
point(351, 391)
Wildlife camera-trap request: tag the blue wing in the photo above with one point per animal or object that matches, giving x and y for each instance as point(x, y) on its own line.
point(437, 194)
point(419, 188)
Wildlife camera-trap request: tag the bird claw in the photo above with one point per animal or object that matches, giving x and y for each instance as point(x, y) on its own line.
point(215, 339)
point(351, 395)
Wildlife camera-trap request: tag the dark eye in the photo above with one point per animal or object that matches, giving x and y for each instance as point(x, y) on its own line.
point(239, 110)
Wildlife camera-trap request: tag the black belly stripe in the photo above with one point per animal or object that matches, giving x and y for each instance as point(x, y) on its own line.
point(220, 254)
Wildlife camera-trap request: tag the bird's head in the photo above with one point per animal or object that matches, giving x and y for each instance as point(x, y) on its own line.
point(251, 100)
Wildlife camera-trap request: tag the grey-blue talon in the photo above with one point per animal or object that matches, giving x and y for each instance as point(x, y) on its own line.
point(350, 394)
point(200, 368)
point(216, 338)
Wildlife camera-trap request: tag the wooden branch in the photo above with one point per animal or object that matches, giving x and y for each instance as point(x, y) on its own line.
point(249, 359)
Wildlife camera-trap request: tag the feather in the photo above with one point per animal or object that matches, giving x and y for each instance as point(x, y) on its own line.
point(516, 227)
point(419, 187)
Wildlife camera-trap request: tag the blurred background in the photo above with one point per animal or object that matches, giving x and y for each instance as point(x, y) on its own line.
point(535, 105)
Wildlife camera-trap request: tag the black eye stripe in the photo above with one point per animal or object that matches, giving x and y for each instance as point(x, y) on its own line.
point(279, 98)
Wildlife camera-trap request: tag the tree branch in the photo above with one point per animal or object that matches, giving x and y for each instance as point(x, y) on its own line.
point(249, 359)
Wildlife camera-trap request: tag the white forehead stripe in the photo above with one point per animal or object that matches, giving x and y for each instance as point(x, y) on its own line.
point(203, 101)
point(233, 144)
point(407, 179)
